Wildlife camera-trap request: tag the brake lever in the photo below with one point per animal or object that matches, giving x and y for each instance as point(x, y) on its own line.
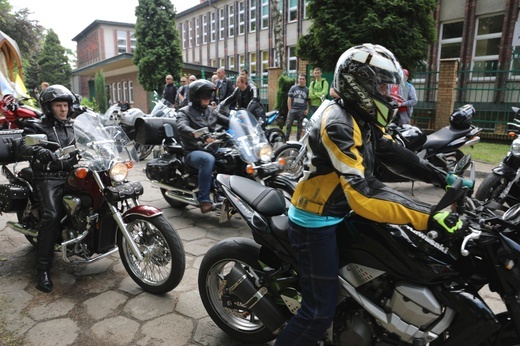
point(475, 234)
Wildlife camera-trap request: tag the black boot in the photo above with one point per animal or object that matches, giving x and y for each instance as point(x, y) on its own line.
point(44, 281)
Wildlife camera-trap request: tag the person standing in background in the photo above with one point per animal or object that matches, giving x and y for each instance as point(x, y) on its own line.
point(224, 86)
point(170, 90)
point(318, 90)
point(405, 107)
point(298, 104)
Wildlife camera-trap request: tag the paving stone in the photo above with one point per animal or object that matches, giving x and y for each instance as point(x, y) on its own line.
point(54, 309)
point(58, 332)
point(147, 306)
point(104, 304)
point(118, 330)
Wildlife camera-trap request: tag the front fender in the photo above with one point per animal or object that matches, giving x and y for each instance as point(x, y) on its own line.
point(504, 171)
point(142, 210)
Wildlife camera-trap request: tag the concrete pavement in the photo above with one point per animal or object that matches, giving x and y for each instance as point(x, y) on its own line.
point(98, 304)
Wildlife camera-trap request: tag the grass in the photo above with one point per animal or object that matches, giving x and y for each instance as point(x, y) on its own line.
point(492, 153)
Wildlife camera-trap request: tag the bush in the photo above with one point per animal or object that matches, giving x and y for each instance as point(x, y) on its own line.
point(284, 84)
point(90, 104)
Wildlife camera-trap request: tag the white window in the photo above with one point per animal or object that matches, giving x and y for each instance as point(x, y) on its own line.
point(487, 46)
point(204, 29)
point(133, 42)
point(231, 21)
point(114, 93)
point(125, 92)
point(221, 62)
point(291, 60)
point(231, 63)
point(190, 34)
point(221, 24)
point(265, 67)
point(130, 92)
point(121, 42)
point(183, 33)
point(212, 63)
point(451, 40)
point(197, 31)
point(265, 14)
point(213, 19)
point(118, 91)
point(241, 18)
point(242, 61)
point(252, 64)
point(292, 10)
point(252, 15)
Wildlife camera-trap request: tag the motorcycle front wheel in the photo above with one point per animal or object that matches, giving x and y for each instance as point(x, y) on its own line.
point(164, 259)
point(491, 188)
point(293, 168)
point(239, 323)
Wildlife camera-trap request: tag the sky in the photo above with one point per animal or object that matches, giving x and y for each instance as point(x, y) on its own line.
point(69, 18)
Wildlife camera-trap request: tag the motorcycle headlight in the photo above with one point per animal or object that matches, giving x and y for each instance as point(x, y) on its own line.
point(264, 152)
point(515, 147)
point(118, 172)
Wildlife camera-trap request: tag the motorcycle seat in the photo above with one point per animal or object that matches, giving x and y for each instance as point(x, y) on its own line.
point(265, 200)
point(444, 136)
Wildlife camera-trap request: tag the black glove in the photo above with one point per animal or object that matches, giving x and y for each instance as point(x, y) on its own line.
point(43, 156)
point(445, 226)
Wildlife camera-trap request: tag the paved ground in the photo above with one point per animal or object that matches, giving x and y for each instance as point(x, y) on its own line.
point(98, 304)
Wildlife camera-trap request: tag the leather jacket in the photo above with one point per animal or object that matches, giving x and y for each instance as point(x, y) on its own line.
point(342, 149)
point(190, 119)
point(61, 132)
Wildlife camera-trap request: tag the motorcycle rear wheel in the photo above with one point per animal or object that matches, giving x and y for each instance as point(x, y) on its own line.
point(292, 169)
point(216, 264)
point(162, 267)
point(491, 188)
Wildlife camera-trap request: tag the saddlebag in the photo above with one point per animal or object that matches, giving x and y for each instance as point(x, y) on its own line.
point(150, 131)
point(13, 197)
point(162, 168)
point(8, 141)
point(123, 192)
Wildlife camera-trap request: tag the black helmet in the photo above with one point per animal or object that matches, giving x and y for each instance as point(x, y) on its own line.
point(201, 88)
point(364, 78)
point(53, 93)
point(461, 118)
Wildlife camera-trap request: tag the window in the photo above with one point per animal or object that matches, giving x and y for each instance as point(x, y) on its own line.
point(231, 21)
point(197, 31)
point(204, 29)
point(130, 92)
point(242, 61)
point(305, 4)
point(114, 93)
point(125, 91)
point(231, 63)
point(190, 34)
point(487, 45)
point(252, 64)
point(213, 24)
point(221, 24)
point(291, 60)
point(265, 14)
point(241, 18)
point(212, 63)
point(183, 33)
point(221, 62)
point(252, 15)
point(121, 42)
point(265, 66)
point(133, 42)
point(118, 91)
point(451, 40)
point(293, 10)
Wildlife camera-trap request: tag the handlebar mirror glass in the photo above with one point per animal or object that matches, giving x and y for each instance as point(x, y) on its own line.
point(200, 132)
point(35, 139)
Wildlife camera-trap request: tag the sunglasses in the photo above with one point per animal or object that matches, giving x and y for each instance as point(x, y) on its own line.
point(183, 81)
point(192, 80)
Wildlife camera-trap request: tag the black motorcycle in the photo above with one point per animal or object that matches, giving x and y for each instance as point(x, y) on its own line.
point(502, 185)
point(397, 285)
point(242, 149)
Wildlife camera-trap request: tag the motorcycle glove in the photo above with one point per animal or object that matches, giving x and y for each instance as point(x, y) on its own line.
point(43, 155)
point(452, 178)
point(445, 225)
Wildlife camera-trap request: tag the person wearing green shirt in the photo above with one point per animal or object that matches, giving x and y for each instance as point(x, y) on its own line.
point(318, 90)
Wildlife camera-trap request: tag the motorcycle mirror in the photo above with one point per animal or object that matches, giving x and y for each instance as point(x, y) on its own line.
point(453, 194)
point(200, 132)
point(462, 164)
point(69, 150)
point(32, 140)
point(168, 131)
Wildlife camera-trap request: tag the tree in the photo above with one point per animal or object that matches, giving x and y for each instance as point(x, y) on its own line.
point(100, 91)
point(158, 50)
point(53, 61)
point(405, 27)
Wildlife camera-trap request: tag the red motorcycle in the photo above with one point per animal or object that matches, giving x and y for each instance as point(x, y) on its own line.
point(103, 213)
point(13, 113)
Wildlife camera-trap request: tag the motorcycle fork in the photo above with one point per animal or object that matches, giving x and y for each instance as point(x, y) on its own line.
point(120, 222)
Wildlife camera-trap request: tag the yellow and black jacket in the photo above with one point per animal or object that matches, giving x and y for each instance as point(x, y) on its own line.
point(341, 152)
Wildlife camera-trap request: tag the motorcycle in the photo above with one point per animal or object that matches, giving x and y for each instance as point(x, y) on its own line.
point(241, 150)
point(397, 285)
point(103, 213)
point(13, 113)
point(502, 185)
point(441, 148)
point(275, 136)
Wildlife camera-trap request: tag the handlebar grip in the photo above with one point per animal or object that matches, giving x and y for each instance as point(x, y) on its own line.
point(432, 234)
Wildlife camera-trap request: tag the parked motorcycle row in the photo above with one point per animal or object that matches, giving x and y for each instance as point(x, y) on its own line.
point(397, 285)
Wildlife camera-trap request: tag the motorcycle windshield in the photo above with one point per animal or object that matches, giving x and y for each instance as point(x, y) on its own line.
point(102, 146)
point(163, 108)
point(248, 135)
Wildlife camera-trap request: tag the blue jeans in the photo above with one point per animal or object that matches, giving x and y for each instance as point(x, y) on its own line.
point(317, 256)
point(204, 162)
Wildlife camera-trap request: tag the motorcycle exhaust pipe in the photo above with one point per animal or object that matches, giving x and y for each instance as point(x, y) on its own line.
point(170, 192)
point(18, 227)
point(243, 286)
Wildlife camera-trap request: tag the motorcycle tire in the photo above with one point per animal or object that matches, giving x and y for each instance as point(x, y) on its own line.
point(173, 202)
point(162, 267)
point(216, 264)
point(491, 188)
point(293, 170)
point(143, 150)
point(275, 137)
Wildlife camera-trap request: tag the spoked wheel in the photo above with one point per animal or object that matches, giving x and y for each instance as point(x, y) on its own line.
point(162, 267)
point(239, 323)
point(143, 150)
point(491, 188)
point(293, 168)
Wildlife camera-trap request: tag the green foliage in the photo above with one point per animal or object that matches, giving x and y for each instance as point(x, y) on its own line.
point(405, 27)
point(100, 91)
point(488, 152)
point(53, 61)
point(158, 50)
point(284, 84)
point(90, 104)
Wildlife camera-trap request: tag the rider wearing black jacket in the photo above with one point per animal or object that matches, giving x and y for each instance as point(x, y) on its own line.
point(245, 96)
point(49, 174)
point(196, 115)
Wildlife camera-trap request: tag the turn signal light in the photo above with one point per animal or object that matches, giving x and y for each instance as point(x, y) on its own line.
point(129, 164)
point(281, 161)
point(250, 169)
point(81, 172)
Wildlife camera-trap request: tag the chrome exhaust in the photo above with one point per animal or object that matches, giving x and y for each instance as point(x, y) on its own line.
point(18, 227)
point(171, 192)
